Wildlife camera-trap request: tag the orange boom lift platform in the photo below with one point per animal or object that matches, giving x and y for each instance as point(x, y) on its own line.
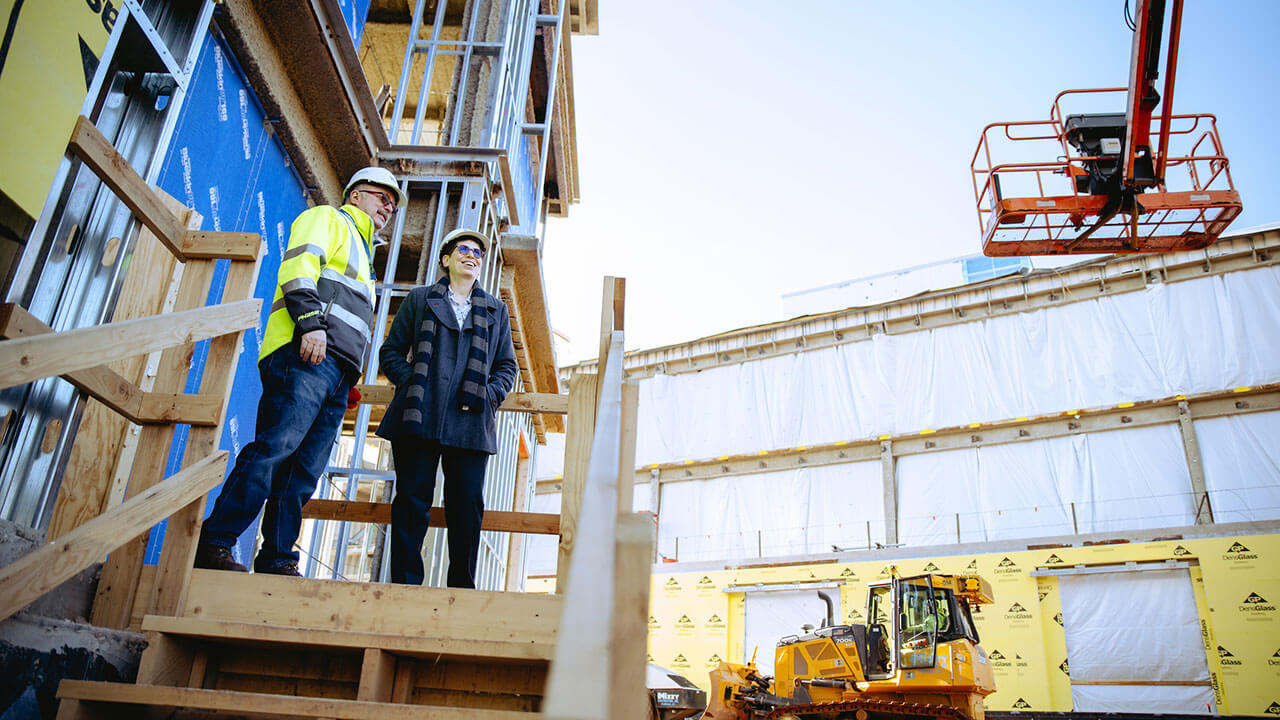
point(1117, 183)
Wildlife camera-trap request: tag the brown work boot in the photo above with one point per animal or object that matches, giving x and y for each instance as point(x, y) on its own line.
point(288, 568)
point(216, 557)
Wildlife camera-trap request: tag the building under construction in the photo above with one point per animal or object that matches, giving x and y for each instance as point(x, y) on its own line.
point(1074, 470)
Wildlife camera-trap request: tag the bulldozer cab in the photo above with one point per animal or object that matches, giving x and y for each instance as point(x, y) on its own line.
point(906, 620)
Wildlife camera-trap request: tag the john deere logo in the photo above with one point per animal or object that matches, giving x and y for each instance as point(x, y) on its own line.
point(1180, 551)
point(973, 565)
point(1066, 670)
point(1058, 618)
point(684, 623)
point(1255, 603)
point(1053, 560)
point(1021, 704)
point(930, 568)
point(1226, 658)
point(1238, 552)
point(653, 623)
point(1273, 709)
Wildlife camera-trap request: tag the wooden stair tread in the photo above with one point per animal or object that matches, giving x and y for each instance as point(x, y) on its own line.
point(247, 704)
point(414, 645)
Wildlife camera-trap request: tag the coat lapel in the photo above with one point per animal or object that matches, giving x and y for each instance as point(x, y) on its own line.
point(443, 312)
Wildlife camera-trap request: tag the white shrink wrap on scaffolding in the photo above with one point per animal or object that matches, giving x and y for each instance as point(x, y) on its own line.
point(1096, 482)
point(791, 512)
point(1241, 458)
point(1189, 337)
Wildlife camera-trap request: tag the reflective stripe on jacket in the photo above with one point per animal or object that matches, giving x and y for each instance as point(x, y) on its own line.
point(325, 281)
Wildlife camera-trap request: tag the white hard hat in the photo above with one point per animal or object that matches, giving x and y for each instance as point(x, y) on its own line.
point(381, 177)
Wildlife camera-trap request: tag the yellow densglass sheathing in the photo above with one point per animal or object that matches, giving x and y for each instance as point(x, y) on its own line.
point(1236, 579)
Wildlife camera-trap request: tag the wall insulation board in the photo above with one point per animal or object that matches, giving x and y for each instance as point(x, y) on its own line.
point(227, 163)
point(1234, 580)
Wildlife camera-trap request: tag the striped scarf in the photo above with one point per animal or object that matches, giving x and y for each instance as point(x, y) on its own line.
point(471, 395)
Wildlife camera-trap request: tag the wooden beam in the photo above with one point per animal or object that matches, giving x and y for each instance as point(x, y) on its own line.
point(1195, 468)
point(27, 359)
point(577, 454)
point(611, 318)
point(375, 512)
point(251, 634)
point(889, 490)
point(446, 614)
point(508, 293)
point(514, 580)
point(38, 572)
point(191, 409)
point(578, 686)
point(377, 676)
point(374, 394)
point(166, 661)
point(523, 253)
point(214, 245)
point(633, 553)
point(627, 446)
point(252, 704)
point(93, 148)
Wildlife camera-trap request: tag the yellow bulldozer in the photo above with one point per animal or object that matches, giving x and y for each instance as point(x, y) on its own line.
point(917, 657)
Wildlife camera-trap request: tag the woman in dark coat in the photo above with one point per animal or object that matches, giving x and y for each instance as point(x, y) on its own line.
point(450, 356)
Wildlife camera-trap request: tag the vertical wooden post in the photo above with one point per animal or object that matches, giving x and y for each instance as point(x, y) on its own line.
point(611, 317)
point(888, 474)
point(579, 431)
point(515, 547)
point(182, 533)
point(627, 448)
point(377, 676)
point(1195, 468)
point(633, 551)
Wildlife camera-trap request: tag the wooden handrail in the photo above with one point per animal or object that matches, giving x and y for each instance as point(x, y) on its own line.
point(372, 512)
point(377, 394)
point(33, 358)
point(112, 390)
point(40, 571)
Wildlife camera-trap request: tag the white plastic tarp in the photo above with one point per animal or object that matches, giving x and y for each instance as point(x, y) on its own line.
point(790, 512)
point(1133, 628)
point(1193, 336)
point(772, 615)
point(1241, 457)
point(1122, 479)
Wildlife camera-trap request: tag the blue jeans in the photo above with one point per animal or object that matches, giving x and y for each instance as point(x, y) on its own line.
point(299, 415)
point(416, 461)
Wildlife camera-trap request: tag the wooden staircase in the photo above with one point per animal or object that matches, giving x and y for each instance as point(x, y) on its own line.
point(268, 646)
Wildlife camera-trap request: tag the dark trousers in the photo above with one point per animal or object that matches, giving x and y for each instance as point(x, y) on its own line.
point(299, 415)
point(416, 462)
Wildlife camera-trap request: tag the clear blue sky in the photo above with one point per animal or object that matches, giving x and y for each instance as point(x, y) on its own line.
point(733, 151)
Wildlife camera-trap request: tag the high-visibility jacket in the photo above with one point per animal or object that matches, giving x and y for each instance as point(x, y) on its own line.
point(326, 281)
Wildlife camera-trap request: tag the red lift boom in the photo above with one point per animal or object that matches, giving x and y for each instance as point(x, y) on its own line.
point(1108, 188)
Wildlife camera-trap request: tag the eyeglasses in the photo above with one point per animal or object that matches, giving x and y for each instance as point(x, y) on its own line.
point(384, 198)
point(469, 251)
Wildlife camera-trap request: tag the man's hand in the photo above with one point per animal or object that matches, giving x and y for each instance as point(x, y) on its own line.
point(312, 346)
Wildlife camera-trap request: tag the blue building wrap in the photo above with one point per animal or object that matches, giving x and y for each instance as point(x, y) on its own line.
point(226, 163)
point(354, 12)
